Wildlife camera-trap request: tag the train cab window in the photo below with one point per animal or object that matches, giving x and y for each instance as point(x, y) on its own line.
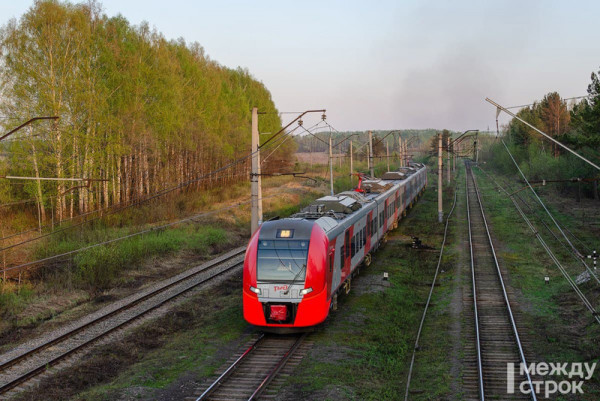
point(281, 260)
point(342, 256)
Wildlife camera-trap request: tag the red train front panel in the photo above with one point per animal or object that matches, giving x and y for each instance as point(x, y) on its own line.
point(286, 279)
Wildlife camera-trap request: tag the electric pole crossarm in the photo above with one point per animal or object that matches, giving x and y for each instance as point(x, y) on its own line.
point(510, 113)
point(293, 121)
point(26, 123)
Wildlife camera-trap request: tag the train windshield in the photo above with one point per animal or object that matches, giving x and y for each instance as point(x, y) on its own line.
point(281, 260)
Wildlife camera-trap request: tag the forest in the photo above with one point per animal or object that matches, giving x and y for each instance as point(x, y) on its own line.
point(575, 124)
point(137, 113)
point(318, 142)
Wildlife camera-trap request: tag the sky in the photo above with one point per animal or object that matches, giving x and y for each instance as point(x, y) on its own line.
point(387, 64)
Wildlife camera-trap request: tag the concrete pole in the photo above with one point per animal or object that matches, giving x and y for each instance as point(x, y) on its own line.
point(406, 153)
point(448, 151)
point(255, 179)
point(440, 208)
point(454, 157)
point(330, 166)
point(400, 150)
point(387, 154)
point(371, 168)
point(476, 147)
point(310, 141)
point(351, 165)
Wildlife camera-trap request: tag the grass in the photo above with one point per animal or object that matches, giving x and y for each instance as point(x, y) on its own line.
point(554, 317)
point(364, 348)
point(363, 351)
point(152, 357)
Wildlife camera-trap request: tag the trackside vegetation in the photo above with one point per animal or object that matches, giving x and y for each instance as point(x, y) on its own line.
point(137, 111)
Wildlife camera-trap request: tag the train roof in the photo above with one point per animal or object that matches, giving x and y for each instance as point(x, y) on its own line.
point(329, 210)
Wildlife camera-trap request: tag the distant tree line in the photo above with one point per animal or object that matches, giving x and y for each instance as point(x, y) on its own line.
point(576, 125)
point(136, 110)
point(308, 143)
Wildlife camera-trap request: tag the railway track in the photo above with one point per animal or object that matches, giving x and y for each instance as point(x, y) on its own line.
point(249, 375)
point(496, 338)
point(26, 363)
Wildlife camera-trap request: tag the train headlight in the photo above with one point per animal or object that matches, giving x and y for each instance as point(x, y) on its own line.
point(255, 290)
point(306, 291)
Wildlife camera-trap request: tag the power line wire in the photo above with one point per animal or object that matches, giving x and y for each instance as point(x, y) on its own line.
point(565, 274)
point(162, 227)
point(573, 248)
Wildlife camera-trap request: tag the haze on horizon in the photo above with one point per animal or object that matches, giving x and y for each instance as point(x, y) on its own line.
point(388, 64)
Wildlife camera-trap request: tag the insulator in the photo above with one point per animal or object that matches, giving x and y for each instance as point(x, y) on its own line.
point(323, 117)
point(300, 122)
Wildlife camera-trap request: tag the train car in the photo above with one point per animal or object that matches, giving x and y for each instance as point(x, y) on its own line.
point(294, 268)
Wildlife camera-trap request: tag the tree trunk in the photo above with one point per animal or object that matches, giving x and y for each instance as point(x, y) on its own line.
point(40, 199)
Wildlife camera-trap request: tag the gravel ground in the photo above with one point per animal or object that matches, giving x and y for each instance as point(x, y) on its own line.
point(97, 329)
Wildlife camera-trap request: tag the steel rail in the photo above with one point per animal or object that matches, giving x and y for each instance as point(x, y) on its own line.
point(565, 274)
point(230, 370)
point(506, 300)
point(437, 269)
point(271, 375)
point(14, 383)
point(575, 251)
point(477, 332)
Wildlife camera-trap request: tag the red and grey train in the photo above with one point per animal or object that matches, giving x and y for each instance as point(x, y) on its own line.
point(295, 267)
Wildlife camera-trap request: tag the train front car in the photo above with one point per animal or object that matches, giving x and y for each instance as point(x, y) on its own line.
point(285, 275)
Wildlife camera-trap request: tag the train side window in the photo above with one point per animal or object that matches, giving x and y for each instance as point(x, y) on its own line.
point(364, 236)
point(342, 250)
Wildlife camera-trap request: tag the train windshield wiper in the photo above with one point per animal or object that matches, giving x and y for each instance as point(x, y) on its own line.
point(294, 279)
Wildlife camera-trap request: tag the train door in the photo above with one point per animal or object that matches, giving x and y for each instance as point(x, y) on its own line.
point(348, 250)
point(385, 215)
point(369, 232)
point(330, 267)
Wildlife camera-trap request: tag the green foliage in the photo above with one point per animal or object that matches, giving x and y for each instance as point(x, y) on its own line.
point(13, 300)
point(585, 118)
point(99, 267)
point(537, 164)
point(136, 109)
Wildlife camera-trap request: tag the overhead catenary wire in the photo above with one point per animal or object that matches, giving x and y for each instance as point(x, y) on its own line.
point(578, 254)
point(553, 257)
point(146, 231)
point(281, 142)
point(535, 213)
point(137, 202)
point(531, 104)
point(540, 131)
